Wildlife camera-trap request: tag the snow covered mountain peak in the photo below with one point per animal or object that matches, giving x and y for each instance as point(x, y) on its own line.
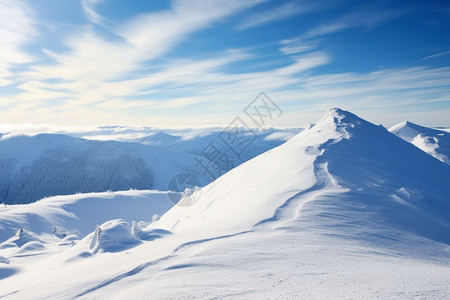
point(355, 171)
point(336, 124)
point(338, 114)
point(341, 120)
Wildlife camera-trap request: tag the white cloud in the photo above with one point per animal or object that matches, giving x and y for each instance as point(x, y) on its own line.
point(302, 96)
point(97, 74)
point(297, 47)
point(90, 12)
point(367, 20)
point(275, 14)
point(16, 30)
point(156, 33)
point(393, 88)
point(95, 69)
point(312, 39)
point(123, 81)
point(437, 55)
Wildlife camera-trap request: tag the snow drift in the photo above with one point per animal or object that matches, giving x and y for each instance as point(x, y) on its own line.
point(79, 214)
point(433, 141)
point(113, 236)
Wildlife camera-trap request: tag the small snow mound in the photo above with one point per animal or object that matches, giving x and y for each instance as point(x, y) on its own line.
point(62, 233)
point(141, 231)
point(72, 237)
point(152, 234)
point(69, 240)
point(31, 247)
point(19, 239)
point(23, 237)
point(113, 236)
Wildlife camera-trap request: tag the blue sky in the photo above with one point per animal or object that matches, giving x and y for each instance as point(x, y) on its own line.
point(200, 62)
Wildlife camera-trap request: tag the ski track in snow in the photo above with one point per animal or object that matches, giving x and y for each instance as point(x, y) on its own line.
point(132, 272)
point(142, 267)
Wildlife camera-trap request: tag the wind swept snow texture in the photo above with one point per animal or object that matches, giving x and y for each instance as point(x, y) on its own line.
point(344, 209)
point(433, 141)
point(81, 213)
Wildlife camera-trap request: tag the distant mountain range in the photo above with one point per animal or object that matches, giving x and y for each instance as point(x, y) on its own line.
point(43, 165)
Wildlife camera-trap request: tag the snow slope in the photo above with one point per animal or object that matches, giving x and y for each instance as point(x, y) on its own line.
point(362, 178)
point(80, 213)
point(345, 209)
point(34, 167)
point(433, 141)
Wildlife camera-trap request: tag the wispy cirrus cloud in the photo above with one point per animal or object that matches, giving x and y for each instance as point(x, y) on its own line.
point(90, 12)
point(298, 45)
point(95, 69)
point(16, 30)
point(135, 74)
point(281, 12)
point(204, 84)
point(312, 38)
point(390, 88)
point(443, 53)
point(366, 20)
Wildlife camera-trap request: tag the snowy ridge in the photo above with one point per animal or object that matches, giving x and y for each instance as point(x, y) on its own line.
point(281, 174)
point(344, 202)
point(342, 154)
point(433, 141)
